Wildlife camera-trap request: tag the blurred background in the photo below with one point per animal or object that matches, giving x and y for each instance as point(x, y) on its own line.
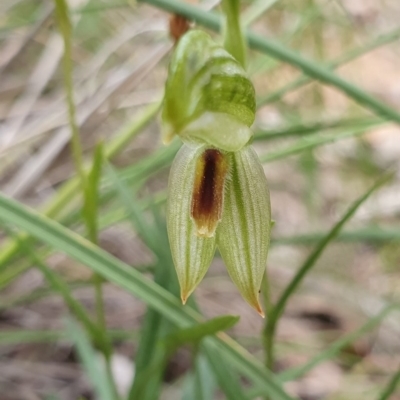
point(321, 152)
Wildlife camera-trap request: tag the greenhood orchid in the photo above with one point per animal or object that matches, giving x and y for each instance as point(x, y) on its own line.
point(218, 194)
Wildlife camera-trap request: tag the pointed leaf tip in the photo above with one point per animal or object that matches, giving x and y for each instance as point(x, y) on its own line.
point(184, 299)
point(260, 310)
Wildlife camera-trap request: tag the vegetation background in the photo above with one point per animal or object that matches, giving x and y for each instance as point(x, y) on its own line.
point(77, 322)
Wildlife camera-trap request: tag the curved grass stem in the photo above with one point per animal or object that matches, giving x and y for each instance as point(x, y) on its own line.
point(278, 309)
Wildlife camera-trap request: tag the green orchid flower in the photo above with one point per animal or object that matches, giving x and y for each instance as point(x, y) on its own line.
point(218, 194)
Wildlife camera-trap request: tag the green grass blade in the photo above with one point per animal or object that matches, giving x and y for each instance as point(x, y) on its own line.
point(204, 380)
point(68, 192)
point(311, 260)
point(278, 309)
point(233, 38)
point(90, 362)
point(135, 213)
point(343, 59)
point(337, 346)
point(126, 277)
point(65, 27)
point(76, 308)
point(278, 51)
point(150, 359)
point(91, 203)
point(373, 235)
point(188, 390)
point(313, 128)
point(227, 381)
point(196, 333)
point(311, 143)
point(136, 173)
point(391, 387)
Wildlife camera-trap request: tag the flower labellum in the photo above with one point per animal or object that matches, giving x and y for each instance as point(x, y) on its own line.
point(218, 194)
point(208, 191)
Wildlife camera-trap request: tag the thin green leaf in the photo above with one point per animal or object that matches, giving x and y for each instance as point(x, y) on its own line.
point(227, 380)
point(188, 390)
point(391, 387)
point(199, 382)
point(307, 266)
point(148, 381)
point(126, 277)
point(90, 362)
point(150, 359)
point(196, 333)
point(59, 286)
point(204, 380)
point(65, 27)
point(374, 235)
point(311, 260)
point(302, 129)
point(233, 38)
point(91, 203)
point(311, 143)
point(341, 60)
point(135, 213)
point(68, 192)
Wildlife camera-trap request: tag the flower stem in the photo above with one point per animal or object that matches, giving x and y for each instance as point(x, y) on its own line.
point(234, 41)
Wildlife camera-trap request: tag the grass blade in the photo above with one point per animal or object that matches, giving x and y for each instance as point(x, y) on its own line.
point(150, 358)
point(391, 387)
point(374, 235)
point(204, 380)
point(344, 59)
point(228, 382)
point(311, 260)
point(91, 203)
point(91, 363)
point(126, 277)
point(68, 192)
point(233, 37)
point(135, 213)
point(311, 143)
point(65, 27)
point(59, 286)
point(277, 310)
point(196, 333)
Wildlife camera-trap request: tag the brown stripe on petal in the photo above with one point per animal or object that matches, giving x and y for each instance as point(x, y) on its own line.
point(208, 191)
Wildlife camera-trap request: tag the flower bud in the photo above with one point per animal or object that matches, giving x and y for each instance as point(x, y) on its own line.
point(218, 194)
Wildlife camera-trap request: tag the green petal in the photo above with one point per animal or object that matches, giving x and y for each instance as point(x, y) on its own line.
point(191, 253)
point(244, 232)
